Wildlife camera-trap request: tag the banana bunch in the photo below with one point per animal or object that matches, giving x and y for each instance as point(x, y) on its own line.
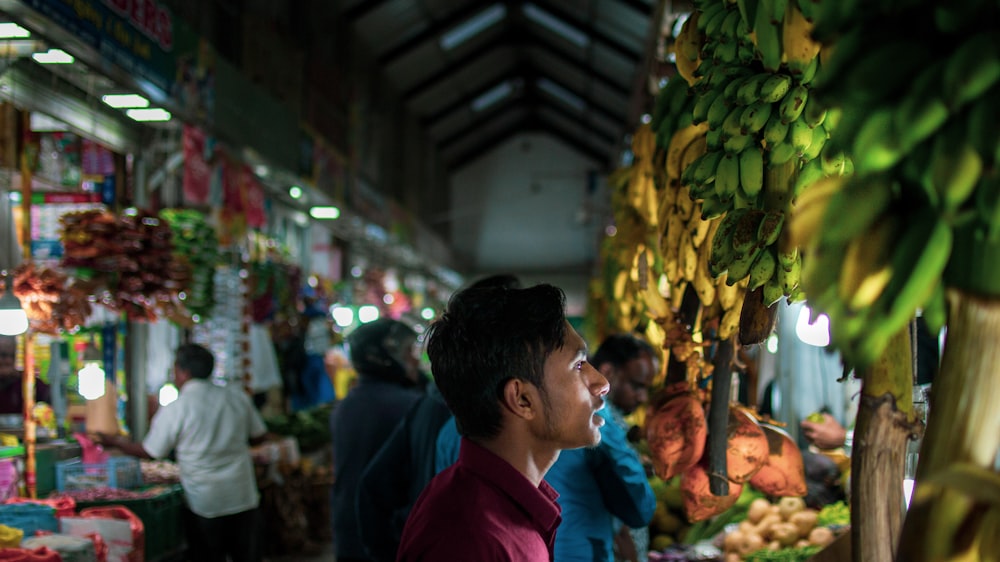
point(920, 127)
point(766, 139)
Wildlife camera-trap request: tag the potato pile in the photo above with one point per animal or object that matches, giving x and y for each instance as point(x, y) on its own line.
point(775, 526)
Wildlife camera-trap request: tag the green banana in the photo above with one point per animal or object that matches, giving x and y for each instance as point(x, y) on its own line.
point(733, 87)
point(714, 23)
point(972, 68)
point(770, 227)
point(731, 124)
point(885, 70)
point(876, 145)
point(810, 172)
point(712, 208)
point(727, 30)
point(748, 10)
point(955, 167)
point(772, 291)
point(851, 211)
point(935, 310)
point(736, 144)
point(793, 103)
point(918, 262)
point(745, 235)
point(717, 112)
point(819, 138)
point(832, 159)
point(749, 90)
point(778, 8)
point(739, 268)
point(789, 277)
point(755, 116)
point(699, 113)
point(710, 10)
point(763, 269)
point(727, 176)
point(768, 35)
point(813, 113)
point(923, 110)
point(714, 138)
point(810, 71)
point(789, 258)
point(981, 123)
point(752, 171)
point(722, 252)
point(780, 154)
point(775, 87)
point(702, 169)
point(775, 130)
point(800, 134)
point(726, 51)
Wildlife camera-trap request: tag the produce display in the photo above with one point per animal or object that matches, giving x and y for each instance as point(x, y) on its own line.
point(50, 301)
point(196, 246)
point(785, 524)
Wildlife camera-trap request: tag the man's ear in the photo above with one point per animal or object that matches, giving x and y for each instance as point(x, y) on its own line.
point(521, 398)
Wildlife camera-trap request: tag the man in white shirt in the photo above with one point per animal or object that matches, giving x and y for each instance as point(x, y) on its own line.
point(210, 428)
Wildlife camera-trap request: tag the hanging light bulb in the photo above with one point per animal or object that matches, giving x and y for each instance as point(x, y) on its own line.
point(13, 319)
point(91, 379)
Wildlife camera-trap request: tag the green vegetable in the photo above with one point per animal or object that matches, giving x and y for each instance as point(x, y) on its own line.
point(837, 513)
point(784, 555)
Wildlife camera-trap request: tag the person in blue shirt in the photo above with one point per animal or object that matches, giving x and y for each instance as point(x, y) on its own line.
point(603, 487)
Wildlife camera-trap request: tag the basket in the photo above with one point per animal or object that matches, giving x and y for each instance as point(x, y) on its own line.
point(161, 518)
point(117, 472)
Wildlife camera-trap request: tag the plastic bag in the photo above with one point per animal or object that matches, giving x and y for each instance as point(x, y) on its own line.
point(92, 452)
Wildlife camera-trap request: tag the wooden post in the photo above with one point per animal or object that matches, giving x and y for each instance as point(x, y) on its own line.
point(28, 376)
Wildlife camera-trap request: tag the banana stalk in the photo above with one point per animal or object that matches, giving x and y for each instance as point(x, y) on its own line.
point(885, 422)
point(945, 521)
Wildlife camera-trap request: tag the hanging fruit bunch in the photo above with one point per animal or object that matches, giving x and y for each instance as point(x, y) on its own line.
point(50, 301)
point(195, 249)
point(915, 228)
point(751, 64)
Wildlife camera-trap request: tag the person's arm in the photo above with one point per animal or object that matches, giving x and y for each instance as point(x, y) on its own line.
point(125, 445)
point(826, 434)
point(621, 477)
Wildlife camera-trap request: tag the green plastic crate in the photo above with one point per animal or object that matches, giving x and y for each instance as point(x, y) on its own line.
point(161, 518)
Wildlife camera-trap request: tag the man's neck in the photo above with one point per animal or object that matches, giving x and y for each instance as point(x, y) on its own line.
point(531, 461)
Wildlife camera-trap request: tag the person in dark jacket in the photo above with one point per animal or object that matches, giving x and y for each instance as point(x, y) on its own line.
point(389, 383)
point(403, 466)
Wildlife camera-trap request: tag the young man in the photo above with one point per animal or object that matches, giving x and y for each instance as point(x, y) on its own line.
point(515, 375)
point(211, 429)
point(600, 488)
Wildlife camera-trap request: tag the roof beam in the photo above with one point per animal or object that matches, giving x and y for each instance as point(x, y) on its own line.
point(489, 143)
point(583, 148)
point(590, 71)
point(539, 100)
point(591, 105)
point(453, 67)
point(594, 34)
point(434, 32)
point(428, 121)
point(479, 124)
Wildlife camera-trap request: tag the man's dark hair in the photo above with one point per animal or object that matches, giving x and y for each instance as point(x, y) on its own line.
point(195, 359)
point(619, 349)
point(508, 280)
point(486, 337)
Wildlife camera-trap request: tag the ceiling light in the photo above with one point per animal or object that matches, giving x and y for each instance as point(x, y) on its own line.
point(492, 96)
point(125, 101)
point(473, 26)
point(557, 91)
point(13, 319)
point(53, 56)
point(295, 192)
point(555, 25)
point(10, 30)
point(368, 313)
point(91, 377)
point(816, 333)
point(324, 213)
point(149, 114)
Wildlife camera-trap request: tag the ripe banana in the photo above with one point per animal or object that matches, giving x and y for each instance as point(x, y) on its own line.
point(866, 270)
point(799, 47)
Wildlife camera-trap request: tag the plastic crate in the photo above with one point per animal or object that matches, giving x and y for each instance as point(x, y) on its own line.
point(161, 516)
point(117, 472)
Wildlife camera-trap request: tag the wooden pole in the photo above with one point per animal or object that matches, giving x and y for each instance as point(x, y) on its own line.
point(28, 376)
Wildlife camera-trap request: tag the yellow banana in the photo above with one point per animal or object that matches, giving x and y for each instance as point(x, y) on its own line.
point(729, 323)
point(866, 270)
point(681, 140)
point(704, 283)
point(799, 47)
point(809, 210)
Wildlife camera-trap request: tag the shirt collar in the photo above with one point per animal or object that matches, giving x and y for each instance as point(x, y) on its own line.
point(539, 503)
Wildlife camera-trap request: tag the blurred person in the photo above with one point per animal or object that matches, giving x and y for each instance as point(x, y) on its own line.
point(315, 386)
point(404, 465)
point(515, 375)
point(603, 488)
point(12, 380)
point(211, 429)
point(389, 383)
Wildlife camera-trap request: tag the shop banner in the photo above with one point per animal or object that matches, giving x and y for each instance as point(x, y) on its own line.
point(254, 200)
point(197, 171)
point(143, 38)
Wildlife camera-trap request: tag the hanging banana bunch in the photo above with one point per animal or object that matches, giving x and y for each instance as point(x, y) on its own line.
point(751, 64)
point(916, 227)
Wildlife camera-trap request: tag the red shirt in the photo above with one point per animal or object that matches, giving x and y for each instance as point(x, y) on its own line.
point(481, 510)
